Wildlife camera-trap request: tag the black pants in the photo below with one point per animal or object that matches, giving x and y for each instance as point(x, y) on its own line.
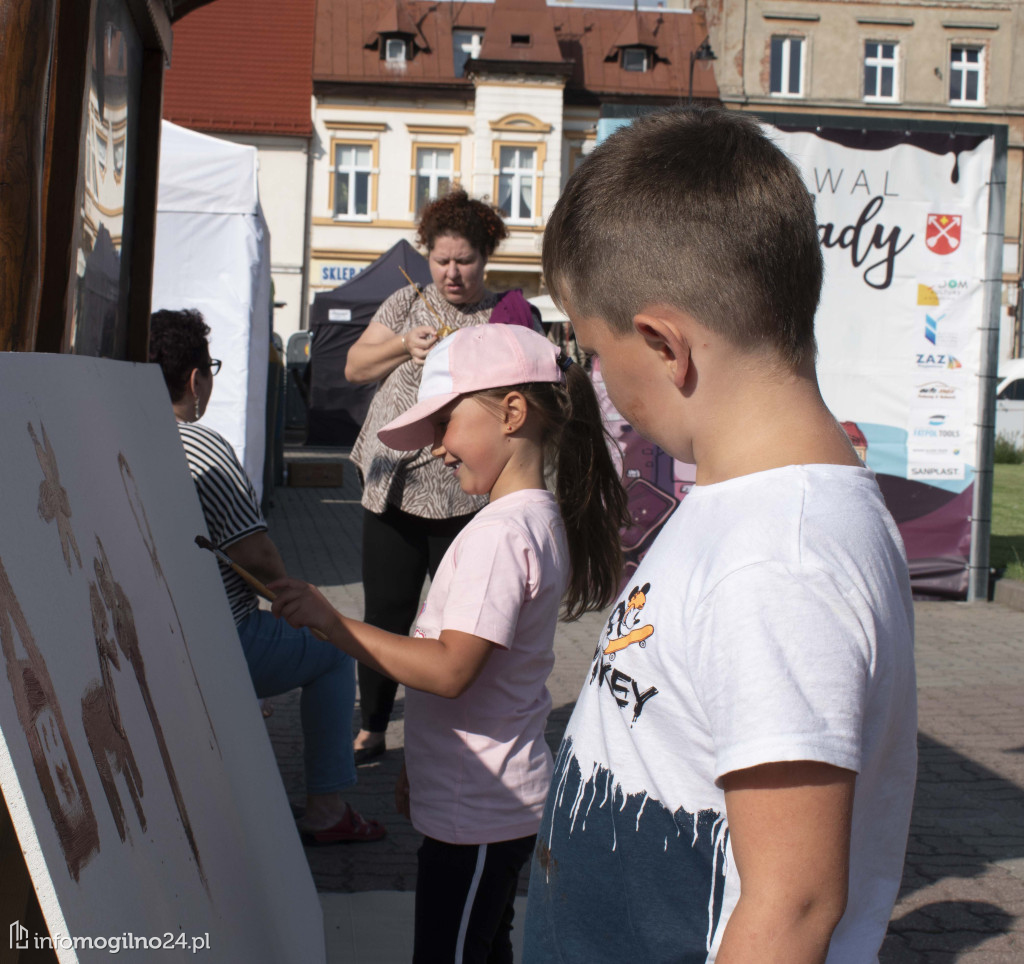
point(465, 900)
point(398, 551)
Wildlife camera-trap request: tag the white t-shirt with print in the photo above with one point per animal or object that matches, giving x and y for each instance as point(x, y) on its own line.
point(770, 621)
point(479, 767)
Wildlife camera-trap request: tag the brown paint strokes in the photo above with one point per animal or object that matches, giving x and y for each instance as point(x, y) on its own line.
point(135, 503)
point(116, 601)
point(101, 718)
point(53, 497)
point(60, 777)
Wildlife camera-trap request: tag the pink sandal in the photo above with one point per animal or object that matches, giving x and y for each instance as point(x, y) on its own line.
point(351, 828)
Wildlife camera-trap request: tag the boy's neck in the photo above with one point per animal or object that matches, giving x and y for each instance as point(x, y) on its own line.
point(768, 421)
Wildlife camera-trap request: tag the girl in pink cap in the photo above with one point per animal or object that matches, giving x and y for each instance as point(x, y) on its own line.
point(501, 406)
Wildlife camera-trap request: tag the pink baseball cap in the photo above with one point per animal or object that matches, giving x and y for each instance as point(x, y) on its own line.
point(472, 359)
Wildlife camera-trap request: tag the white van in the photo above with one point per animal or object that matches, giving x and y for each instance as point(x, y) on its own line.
point(1010, 400)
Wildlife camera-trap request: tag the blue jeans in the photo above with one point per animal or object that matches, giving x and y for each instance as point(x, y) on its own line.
point(280, 659)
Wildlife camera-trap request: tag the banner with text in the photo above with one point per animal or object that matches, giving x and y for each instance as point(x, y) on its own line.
point(902, 218)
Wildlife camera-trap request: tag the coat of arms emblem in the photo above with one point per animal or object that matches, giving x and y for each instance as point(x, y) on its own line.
point(942, 234)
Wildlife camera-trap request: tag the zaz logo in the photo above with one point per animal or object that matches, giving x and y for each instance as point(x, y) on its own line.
point(926, 360)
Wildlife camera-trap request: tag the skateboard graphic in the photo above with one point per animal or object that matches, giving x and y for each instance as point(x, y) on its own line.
point(638, 635)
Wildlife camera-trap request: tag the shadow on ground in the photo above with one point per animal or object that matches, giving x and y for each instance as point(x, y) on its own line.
point(968, 823)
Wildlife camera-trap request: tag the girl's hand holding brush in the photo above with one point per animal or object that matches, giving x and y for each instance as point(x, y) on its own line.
point(302, 605)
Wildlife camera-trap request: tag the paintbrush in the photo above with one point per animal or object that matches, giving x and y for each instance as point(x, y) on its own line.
point(252, 581)
point(443, 330)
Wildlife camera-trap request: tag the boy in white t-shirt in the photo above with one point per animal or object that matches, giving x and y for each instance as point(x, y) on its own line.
point(736, 781)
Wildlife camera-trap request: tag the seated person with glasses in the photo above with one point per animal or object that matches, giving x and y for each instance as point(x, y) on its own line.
point(279, 658)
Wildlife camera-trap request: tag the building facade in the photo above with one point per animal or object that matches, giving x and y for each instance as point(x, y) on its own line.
point(502, 98)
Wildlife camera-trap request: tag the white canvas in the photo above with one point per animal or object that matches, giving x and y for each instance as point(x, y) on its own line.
point(213, 253)
point(133, 758)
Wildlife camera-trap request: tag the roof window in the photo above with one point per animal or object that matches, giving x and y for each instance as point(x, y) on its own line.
point(396, 50)
point(636, 59)
point(520, 40)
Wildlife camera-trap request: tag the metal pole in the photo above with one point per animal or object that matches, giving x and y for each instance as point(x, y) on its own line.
point(981, 509)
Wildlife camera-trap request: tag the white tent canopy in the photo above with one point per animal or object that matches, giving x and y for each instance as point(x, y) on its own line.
point(213, 254)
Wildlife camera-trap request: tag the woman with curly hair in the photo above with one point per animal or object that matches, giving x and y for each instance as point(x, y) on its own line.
point(412, 507)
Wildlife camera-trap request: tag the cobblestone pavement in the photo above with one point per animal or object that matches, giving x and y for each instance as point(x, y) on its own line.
point(963, 888)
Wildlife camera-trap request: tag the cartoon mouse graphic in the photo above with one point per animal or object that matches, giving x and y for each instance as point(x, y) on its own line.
point(624, 619)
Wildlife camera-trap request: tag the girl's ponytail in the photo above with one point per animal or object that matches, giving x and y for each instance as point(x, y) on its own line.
point(590, 496)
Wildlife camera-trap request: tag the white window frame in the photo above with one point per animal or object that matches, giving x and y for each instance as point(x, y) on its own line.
point(396, 50)
point(788, 41)
point(880, 63)
point(964, 68)
point(432, 174)
point(519, 173)
point(353, 171)
point(469, 42)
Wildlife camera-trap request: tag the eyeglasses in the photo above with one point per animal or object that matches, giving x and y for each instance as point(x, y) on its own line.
point(214, 366)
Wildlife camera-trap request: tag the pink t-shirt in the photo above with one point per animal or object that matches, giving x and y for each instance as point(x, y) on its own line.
point(478, 765)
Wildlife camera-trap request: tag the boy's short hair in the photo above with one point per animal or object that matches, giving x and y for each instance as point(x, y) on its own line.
point(697, 209)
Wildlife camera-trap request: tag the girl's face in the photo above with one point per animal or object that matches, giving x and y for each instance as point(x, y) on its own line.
point(457, 269)
point(471, 438)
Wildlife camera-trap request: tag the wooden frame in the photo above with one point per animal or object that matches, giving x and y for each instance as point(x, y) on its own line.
point(41, 141)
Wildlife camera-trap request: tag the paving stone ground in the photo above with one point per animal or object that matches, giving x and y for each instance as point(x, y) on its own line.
point(962, 898)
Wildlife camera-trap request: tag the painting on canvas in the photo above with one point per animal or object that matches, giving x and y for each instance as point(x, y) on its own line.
point(133, 759)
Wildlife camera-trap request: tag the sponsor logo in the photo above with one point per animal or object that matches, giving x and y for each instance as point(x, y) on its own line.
point(937, 360)
point(934, 294)
point(931, 327)
point(937, 420)
point(936, 472)
point(942, 233)
point(943, 433)
point(936, 391)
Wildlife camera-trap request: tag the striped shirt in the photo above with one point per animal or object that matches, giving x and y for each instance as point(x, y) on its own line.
point(229, 503)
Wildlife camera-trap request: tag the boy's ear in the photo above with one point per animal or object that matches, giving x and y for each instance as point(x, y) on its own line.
point(665, 334)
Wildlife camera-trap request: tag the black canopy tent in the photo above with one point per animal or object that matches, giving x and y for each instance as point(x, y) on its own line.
point(337, 318)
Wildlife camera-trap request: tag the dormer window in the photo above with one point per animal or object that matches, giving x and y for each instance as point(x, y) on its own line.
point(396, 50)
point(520, 40)
point(636, 59)
point(466, 45)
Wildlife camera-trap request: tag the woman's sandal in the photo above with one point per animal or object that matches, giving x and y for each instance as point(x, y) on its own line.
point(351, 828)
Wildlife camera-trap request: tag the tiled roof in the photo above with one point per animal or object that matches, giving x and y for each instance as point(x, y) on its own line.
point(589, 38)
point(593, 38)
point(529, 22)
point(243, 66)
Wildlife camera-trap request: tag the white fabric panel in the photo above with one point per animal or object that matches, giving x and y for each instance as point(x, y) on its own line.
point(202, 173)
point(213, 254)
